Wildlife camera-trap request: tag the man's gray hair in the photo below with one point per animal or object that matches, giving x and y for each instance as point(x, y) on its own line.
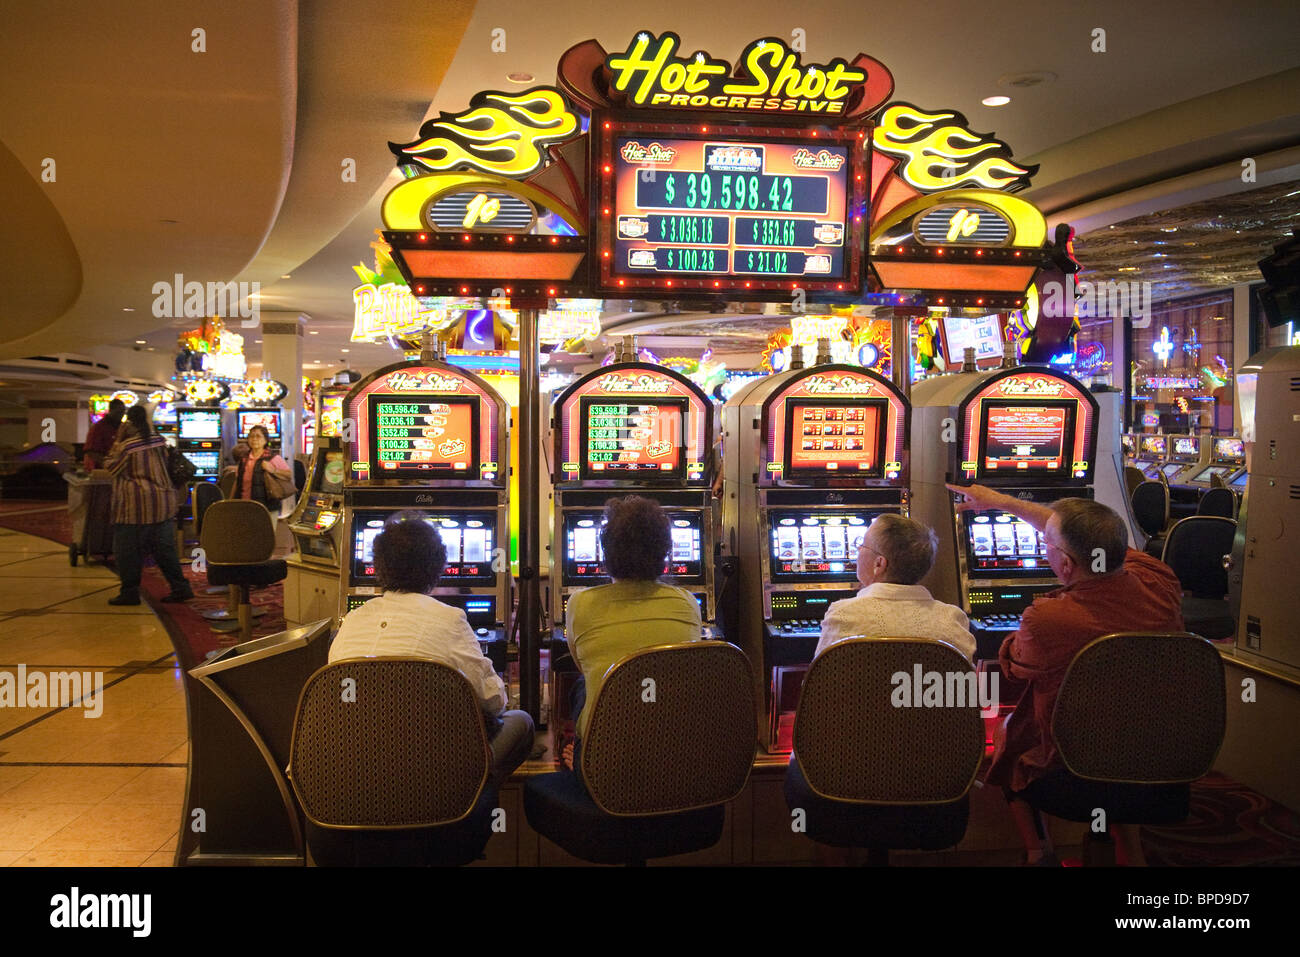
point(1088, 526)
point(908, 546)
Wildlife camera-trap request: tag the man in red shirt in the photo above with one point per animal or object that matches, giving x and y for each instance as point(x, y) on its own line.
point(1108, 587)
point(102, 435)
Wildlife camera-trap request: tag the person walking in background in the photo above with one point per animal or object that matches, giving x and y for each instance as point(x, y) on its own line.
point(102, 435)
point(144, 509)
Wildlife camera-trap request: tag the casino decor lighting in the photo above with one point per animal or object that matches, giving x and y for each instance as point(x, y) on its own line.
point(570, 324)
point(265, 391)
point(201, 391)
point(127, 397)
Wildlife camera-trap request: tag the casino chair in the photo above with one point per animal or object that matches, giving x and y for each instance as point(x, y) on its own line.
point(1139, 717)
point(1216, 481)
point(1133, 477)
point(1220, 501)
point(1150, 503)
point(299, 475)
point(395, 774)
point(238, 538)
point(870, 774)
point(1194, 549)
point(203, 495)
point(655, 775)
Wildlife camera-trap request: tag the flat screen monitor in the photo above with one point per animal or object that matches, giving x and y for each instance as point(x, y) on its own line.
point(816, 544)
point(199, 423)
point(1203, 476)
point(999, 543)
point(1027, 437)
point(634, 438)
point(835, 436)
point(982, 333)
point(416, 436)
point(164, 413)
point(1153, 445)
point(469, 537)
point(1229, 450)
point(730, 207)
point(1187, 448)
point(1238, 482)
point(268, 419)
point(1130, 444)
point(207, 463)
point(331, 414)
point(1172, 468)
point(584, 558)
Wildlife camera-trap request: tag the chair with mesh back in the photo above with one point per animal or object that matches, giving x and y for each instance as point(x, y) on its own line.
point(1138, 718)
point(1151, 511)
point(389, 762)
point(870, 768)
point(204, 495)
point(660, 760)
point(1220, 502)
point(238, 538)
point(1194, 549)
point(1133, 477)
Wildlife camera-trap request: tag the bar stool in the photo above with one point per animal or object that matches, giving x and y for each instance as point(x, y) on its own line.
point(238, 539)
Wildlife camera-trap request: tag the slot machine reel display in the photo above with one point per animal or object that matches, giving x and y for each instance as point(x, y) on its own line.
point(632, 428)
point(1030, 432)
point(811, 456)
point(433, 438)
point(199, 436)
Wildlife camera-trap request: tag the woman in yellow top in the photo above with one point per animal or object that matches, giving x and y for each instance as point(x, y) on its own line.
point(636, 610)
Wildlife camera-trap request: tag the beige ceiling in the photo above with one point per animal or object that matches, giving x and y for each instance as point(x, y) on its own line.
point(242, 145)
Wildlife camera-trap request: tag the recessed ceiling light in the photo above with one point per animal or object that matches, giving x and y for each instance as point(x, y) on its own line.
point(127, 309)
point(996, 100)
point(520, 77)
point(1169, 229)
point(345, 350)
point(286, 276)
point(313, 332)
point(141, 342)
point(257, 340)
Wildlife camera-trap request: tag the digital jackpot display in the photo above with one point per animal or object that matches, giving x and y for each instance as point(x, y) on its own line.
point(632, 437)
point(1033, 437)
point(418, 436)
point(834, 436)
point(708, 207)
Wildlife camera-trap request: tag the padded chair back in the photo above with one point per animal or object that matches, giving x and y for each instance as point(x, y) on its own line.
point(1221, 502)
point(1195, 548)
point(1151, 507)
point(859, 738)
point(206, 494)
point(671, 730)
point(299, 475)
point(1216, 481)
point(407, 750)
point(237, 532)
point(1141, 709)
point(226, 483)
point(1133, 477)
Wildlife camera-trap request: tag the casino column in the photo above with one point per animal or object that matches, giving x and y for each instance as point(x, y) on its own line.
point(282, 360)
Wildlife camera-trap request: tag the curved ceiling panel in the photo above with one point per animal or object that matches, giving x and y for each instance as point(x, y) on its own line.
point(32, 231)
point(171, 148)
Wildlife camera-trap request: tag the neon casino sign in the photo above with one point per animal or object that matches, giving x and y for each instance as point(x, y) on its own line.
point(389, 310)
point(427, 380)
point(613, 382)
point(1030, 386)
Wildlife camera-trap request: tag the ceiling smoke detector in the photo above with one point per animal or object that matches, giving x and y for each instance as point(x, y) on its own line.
point(1023, 81)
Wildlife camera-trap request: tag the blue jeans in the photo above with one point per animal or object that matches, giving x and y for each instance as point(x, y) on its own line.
point(511, 744)
point(131, 542)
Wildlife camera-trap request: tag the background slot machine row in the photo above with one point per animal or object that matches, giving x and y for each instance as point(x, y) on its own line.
point(430, 438)
point(811, 457)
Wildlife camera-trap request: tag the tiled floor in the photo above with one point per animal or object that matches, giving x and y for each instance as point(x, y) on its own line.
point(77, 790)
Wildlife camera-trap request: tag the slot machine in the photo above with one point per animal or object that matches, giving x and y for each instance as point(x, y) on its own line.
point(632, 428)
point(270, 419)
point(1129, 443)
point(199, 438)
point(1227, 460)
point(811, 456)
point(1151, 454)
point(1186, 453)
point(428, 436)
point(311, 588)
point(1030, 432)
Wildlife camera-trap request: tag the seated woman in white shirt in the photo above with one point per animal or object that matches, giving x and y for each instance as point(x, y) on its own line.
point(406, 621)
point(895, 554)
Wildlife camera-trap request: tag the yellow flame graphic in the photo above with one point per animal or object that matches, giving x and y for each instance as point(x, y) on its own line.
point(499, 133)
point(939, 152)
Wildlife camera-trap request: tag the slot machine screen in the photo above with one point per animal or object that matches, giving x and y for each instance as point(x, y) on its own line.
point(584, 558)
point(469, 537)
point(983, 334)
point(199, 423)
point(331, 414)
point(1203, 476)
point(999, 543)
point(426, 437)
point(1229, 450)
point(816, 545)
point(1130, 445)
point(1154, 445)
point(1172, 468)
point(835, 436)
point(1032, 436)
point(1187, 448)
point(332, 472)
point(208, 464)
point(268, 419)
point(1239, 483)
point(634, 438)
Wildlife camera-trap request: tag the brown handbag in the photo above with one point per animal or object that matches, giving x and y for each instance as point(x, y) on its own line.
point(276, 486)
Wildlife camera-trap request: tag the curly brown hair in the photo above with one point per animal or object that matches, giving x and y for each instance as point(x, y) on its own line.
point(409, 554)
point(635, 538)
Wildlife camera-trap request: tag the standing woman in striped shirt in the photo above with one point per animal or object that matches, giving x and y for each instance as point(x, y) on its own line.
point(144, 508)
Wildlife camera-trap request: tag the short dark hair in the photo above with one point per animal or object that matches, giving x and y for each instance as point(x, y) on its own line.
point(908, 547)
point(635, 538)
point(139, 418)
point(259, 428)
point(409, 554)
point(1087, 526)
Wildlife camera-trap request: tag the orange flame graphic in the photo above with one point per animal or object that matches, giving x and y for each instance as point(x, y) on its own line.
point(939, 152)
point(499, 133)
